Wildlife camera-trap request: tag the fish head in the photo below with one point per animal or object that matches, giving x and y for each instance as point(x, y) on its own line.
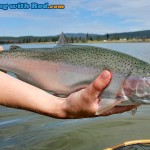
point(133, 90)
point(137, 89)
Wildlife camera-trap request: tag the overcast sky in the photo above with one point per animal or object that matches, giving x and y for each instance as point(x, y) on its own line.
point(79, 16)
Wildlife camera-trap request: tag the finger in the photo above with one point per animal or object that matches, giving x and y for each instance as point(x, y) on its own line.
point(117, 110)
point(1, 48)
point(97, 86)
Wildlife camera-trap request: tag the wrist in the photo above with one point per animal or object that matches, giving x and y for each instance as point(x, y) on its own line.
point(58, 109)
point(62, 109)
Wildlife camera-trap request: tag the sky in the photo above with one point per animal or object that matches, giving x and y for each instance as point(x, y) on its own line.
point(79, 16)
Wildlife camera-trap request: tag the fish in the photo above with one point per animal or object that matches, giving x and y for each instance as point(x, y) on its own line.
point(69, 68)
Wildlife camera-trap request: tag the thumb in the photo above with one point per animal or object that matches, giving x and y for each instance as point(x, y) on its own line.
point(97, 86)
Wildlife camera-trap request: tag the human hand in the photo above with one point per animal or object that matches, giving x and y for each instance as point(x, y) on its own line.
point(1, 48)
point(81, 104)
point(84, 103)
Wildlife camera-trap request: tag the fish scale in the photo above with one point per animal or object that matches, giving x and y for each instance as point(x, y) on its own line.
point(66, 69)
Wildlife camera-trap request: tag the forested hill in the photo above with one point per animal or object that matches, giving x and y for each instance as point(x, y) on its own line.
point(78, 37)
point(137, 34)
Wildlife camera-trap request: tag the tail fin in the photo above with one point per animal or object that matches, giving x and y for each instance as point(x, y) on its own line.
point(14, 47)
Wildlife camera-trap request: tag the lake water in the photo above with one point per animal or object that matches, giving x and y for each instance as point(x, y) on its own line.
point(23, 130)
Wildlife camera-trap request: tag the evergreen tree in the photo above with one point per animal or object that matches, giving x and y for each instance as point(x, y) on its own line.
point(87, 36)
point(107, 36)
point(91, 39)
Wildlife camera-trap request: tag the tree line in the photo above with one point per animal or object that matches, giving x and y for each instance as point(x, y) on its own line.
point(76, 38)
point(71, 39)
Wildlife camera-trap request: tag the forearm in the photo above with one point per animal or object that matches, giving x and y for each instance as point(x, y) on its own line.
point(17, 94)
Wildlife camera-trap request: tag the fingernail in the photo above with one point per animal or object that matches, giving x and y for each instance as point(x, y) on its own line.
point(105, 74)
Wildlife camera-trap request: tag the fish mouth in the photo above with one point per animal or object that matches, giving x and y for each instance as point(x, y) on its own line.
point(137, 89)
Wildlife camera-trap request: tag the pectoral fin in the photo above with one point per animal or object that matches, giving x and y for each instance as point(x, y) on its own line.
point(133, 111)
point(107, 104)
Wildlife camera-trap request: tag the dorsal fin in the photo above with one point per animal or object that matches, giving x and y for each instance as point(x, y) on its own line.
point(14, 47)
point(62, 40)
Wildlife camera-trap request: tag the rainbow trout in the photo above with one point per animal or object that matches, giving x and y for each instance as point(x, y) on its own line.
point(66, 69)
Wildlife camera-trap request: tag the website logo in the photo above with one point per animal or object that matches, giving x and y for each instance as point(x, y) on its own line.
point(32, 5)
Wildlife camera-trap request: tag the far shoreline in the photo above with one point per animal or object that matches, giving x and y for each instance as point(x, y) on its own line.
point(89, 42)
